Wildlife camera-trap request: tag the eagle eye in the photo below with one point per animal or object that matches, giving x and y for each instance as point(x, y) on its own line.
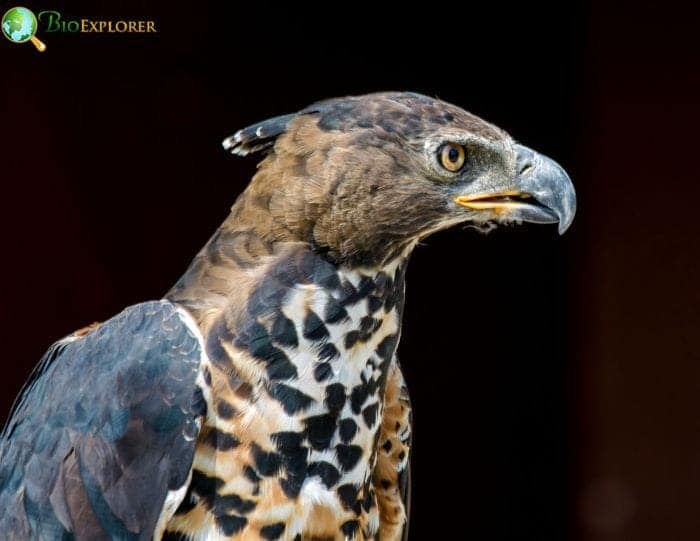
point(452, 156)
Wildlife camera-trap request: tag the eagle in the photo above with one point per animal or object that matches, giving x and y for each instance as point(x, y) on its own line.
point(262, 397)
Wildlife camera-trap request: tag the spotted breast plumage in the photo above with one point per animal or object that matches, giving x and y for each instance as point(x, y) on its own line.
point(262, 397)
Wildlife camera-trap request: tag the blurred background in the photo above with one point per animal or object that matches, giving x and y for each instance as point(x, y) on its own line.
point(555, 380)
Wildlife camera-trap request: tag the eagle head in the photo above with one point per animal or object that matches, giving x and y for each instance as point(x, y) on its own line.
point(364, 178)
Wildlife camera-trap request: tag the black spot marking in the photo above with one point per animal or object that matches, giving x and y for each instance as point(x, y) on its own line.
point(207, 489)
point(347, 430)
point(291, 486)
point(257, 340)
point(285, 441)
point(225, 410)
point(402, 455)
point(387, 446)
point(334, 311)
point(314, 328)
point(351, 339)
point(207, 376)
point(295, 461)
point(358, 396)
point(354, 295)
point(230, 524)
point(292, 400)
point(281, 368)
point(349, 528)
point(284, 332)
point(328, 473)
point(385, 484)
point(368, 500)
point(374, 303)
point(174, 536)
point(368, 325)
point(251, 474)
point(205, 485)
point(218, 334)
point(387, 347)
point(319, 430)
point(294, 457)
point(370, 414)
point(328, 352)
point(335, 397)
point(223, 504)
point(221, 440)
point(390, 301)
point(346, 291)
point(272, 531)
point(267, 464)
point(348, 455)
point(348, 495)
point(322, 371)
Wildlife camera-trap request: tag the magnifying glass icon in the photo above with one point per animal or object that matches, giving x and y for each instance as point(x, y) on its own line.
point(19, 25)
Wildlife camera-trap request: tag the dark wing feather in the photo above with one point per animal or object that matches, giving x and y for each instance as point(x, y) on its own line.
point(257, 137)
point(262, 135)
point(104, 428)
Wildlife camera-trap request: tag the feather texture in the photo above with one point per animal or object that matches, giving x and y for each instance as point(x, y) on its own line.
point(104, 429)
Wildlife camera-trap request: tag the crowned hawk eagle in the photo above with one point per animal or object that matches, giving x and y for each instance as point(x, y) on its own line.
point(261, 398)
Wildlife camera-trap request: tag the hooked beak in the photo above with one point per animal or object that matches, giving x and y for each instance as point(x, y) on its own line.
point(542, 193)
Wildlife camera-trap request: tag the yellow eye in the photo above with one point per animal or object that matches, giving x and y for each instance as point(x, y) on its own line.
point(452, 156)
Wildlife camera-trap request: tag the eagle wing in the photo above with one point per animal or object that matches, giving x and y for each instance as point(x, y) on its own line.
point(100, 442)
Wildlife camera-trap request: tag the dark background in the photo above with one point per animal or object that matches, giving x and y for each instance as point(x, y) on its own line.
point(555, 381)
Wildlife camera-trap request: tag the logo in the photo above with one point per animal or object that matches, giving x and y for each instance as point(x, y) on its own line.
point(53, 21)
point(19, 26)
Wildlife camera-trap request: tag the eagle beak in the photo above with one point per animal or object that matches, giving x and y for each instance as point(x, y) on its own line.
point(542, 193)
